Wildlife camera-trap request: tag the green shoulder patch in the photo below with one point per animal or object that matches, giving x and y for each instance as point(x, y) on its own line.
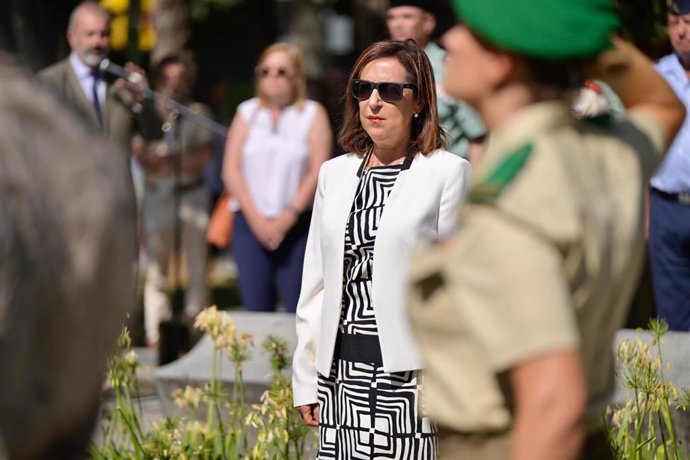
point(489, 187)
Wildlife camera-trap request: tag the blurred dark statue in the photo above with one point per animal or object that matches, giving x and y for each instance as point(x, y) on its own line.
point(67, 270)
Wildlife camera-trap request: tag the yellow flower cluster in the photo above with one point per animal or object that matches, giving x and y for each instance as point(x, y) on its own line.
point(189, 398)
point(644, 426)
point(123, 366)
point(130, 358)
point(638, 355)
point(623, 416)
point(218, 325)
point(639, 368)
point(231, 429)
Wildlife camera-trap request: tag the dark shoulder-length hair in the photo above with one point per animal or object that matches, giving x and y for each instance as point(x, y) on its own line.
point(427, 134)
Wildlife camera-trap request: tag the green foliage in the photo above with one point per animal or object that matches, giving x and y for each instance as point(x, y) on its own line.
point(200, 9)
point(279, 431)
point(643, 429)
point(644, 22)
point(230, 423)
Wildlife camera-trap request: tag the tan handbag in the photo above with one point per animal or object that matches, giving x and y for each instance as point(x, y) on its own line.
point(219, 232)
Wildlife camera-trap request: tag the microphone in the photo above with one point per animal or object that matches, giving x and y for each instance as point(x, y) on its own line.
point(148, 93)
point(119, 71)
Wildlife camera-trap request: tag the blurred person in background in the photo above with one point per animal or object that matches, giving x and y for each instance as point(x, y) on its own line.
point(669, 198)
point(176, 199)
point(417, 19)
point(111, 106)
point(276, 144)
point(396, 188)
point(516, 315)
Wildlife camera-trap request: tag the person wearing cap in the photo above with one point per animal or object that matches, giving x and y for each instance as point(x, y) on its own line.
point(417, 19)
point(515, 315)
point(669, 198)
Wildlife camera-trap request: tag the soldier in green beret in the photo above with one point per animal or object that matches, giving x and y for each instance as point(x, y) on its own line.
point(516, 315)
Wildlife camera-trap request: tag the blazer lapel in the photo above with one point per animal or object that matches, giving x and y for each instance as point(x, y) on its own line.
point(342, 183)
point(111, 94)
point(80, 98)
point(410, 166)
point(348, 180)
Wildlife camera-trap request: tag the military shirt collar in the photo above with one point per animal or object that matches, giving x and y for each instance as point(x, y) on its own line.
point(524, 126)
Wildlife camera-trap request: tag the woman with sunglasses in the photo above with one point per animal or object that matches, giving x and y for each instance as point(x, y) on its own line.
point(275, 147)
point(355, 366)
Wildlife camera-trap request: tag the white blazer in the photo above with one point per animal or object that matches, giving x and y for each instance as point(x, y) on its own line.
point(422, 205)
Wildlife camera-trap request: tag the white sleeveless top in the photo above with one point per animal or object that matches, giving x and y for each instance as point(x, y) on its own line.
point(275, 158)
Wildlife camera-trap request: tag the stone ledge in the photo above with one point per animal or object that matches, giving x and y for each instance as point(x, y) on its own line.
point(195, 367)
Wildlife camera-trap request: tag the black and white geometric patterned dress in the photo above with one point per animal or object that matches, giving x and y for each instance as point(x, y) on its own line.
point(364, 412)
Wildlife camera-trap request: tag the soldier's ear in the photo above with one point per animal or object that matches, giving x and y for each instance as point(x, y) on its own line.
point(500, 67)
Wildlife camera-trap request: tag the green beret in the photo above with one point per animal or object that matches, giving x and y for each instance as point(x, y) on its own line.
point(545, 29)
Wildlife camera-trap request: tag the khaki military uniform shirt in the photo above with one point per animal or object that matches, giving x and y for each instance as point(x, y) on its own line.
point(547, 258)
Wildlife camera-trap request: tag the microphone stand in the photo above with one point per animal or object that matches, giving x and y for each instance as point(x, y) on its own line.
point(175, 341)
point(175, 145)
point(158, 98)
point(173, 141)
point(183, 110)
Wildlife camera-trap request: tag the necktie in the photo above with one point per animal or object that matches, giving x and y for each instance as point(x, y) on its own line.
point(94, 93)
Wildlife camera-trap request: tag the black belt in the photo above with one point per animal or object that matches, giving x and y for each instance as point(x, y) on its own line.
point(471, 436)
point(596, 444)
point(680, 197)
point(359, 348)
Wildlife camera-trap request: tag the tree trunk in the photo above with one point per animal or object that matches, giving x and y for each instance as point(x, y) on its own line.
point(369, 16)
point(172, 29)
point(34, 30)
point(305, 29)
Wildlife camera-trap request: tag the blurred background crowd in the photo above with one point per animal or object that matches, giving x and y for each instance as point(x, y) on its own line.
point(225, 110)
point(218, 43)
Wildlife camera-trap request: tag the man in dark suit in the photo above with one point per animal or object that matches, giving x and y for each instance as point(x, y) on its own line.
point(112, 107)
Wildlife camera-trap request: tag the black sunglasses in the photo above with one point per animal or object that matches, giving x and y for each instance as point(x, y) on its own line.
point(264, 72)
point(389, 92)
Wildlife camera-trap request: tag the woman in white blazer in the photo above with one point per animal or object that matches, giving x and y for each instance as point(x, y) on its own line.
point(356, 362)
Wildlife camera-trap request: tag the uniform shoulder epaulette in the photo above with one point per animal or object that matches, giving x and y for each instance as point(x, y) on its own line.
point(490, 186)
point(603, 120)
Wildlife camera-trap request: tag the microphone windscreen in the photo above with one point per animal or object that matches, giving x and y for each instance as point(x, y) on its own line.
point(119, 71)
point(103, 66)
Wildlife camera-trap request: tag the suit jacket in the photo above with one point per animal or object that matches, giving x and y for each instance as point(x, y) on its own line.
point(422, 205)
point(121, 114)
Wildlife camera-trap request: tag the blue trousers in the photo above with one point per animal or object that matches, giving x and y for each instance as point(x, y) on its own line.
point(258, 268)
point(669, 255)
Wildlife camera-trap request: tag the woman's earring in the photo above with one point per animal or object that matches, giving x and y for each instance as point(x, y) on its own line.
point(416, 115)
